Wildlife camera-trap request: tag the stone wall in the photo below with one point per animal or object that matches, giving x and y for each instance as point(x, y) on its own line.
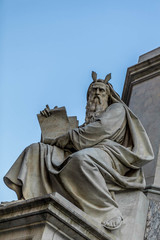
point(153, 221)
point(142, 94)
point(145, 102)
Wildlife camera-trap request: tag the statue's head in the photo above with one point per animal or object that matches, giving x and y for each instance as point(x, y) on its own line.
point(97, 97)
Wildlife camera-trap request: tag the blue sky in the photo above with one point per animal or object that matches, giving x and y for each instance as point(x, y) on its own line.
point(48, 49)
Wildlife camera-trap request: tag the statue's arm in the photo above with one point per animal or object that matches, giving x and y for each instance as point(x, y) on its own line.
point(62, 141)
point(76, 136)
point(103, 128)
point(93, 133)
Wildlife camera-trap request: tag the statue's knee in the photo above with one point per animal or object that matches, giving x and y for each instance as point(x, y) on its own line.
point(79, 158)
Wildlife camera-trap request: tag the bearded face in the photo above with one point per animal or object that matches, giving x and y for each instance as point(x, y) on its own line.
point(97, 101)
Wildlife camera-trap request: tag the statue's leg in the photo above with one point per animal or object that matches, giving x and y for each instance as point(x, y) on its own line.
point(27, 173)
point(84, 181)
point(33, 174)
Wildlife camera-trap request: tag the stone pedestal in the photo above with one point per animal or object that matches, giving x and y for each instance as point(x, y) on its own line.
point(52, 217)
point(134, 207)
point(142, 94)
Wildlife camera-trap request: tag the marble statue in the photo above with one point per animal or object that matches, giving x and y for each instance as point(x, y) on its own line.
point(89, 163)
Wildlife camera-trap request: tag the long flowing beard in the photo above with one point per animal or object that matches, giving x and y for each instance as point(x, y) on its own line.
point(94, 108)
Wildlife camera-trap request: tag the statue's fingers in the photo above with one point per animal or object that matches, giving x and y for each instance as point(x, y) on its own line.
point(47, 111)
point(47, 106)
point(42, 113)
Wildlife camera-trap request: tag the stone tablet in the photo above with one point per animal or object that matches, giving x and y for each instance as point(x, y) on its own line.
point(57, 124)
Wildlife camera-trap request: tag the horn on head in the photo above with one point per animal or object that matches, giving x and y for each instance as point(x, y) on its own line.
point(94, 76)
point(107, 78)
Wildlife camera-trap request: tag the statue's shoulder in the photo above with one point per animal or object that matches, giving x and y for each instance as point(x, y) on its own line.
point(115, 110)
point(116, 106)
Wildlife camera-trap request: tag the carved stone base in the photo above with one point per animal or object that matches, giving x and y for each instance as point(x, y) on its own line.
point(50, 217)
point(134, 207)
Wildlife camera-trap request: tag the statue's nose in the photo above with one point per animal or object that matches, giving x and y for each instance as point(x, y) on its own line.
point(97, 90)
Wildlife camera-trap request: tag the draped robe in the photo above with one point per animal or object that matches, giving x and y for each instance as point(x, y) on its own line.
point(105, 155)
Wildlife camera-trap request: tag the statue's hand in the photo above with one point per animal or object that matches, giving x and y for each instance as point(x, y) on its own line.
point(61, 141)
point(46, 112)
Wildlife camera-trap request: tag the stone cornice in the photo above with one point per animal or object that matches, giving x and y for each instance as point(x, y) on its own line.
point(52, 210)
point(139, 73)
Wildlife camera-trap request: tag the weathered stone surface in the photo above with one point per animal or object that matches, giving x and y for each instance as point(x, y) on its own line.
point(134, 206)
point(153, 193)
point(157, 172)
point(149, 55)
point(153, 221)
point(141, 94)
point(145, 102)
point(50, 217)
point(54, 218)
point(58, 123)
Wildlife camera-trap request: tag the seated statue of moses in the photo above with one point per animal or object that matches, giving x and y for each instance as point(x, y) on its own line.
point(86, 164)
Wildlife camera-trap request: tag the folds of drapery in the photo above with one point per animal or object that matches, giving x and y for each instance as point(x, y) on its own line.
point(117, 132)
